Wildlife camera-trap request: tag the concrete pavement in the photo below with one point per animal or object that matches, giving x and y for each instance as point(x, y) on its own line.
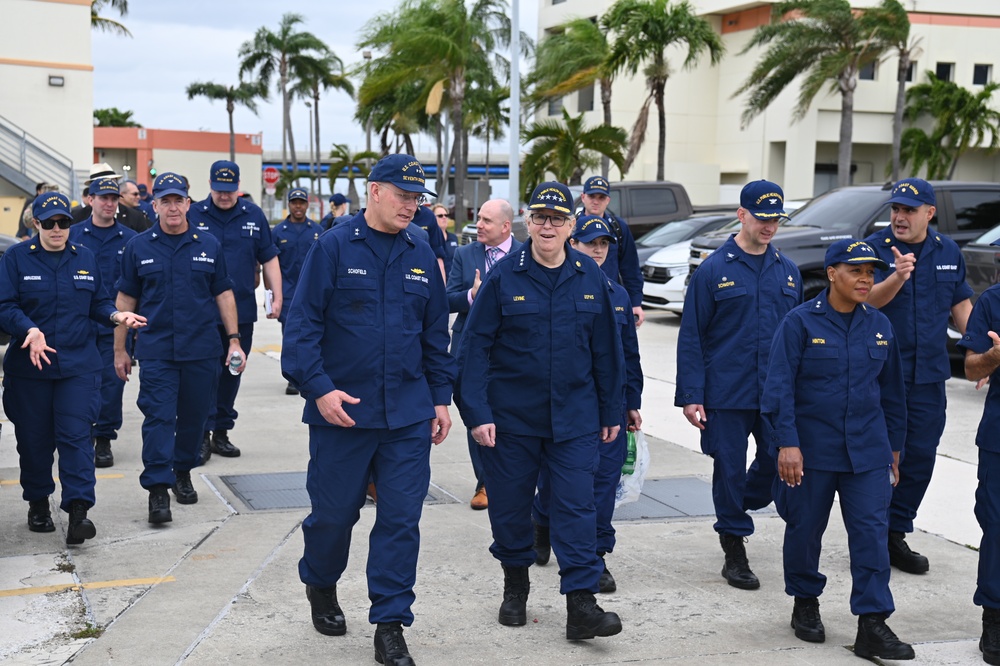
point(219, 583)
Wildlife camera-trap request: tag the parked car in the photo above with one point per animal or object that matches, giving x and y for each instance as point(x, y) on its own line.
point(670, 233)
point(518, 229)
point(982, 262)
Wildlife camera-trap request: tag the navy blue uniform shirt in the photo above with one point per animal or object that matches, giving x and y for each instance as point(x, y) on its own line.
point(834, 392)
point(630, 344)
point(730, 315)
point(62, 301)
point(985, 317)
point(540, 360)
point(175, 286)
point(107, 245)
point(378, 332)
point(245, 235)
point(622, 263)
point(293, 241)
point(919, 312)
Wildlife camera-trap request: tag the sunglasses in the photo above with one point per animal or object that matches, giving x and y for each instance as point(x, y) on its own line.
point(440, 215)
point(50, 224)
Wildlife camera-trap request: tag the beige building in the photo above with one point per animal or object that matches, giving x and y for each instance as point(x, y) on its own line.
point(713, 157)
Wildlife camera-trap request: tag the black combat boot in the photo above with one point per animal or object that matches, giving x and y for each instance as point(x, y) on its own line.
point(514, 609)
point(806, 621)
point(875, 639)
point(989, 644)
point(904, 559)
point(585, 619)
point(222, 445)
point(159, 505)
point(183, 490)
point(736, 570)
point(80, 527)
point(327, 616)
point(607, 583)
point(102, 452)
point(205, 452)
point(543, 547)
point(39, 516)
point(390, 648)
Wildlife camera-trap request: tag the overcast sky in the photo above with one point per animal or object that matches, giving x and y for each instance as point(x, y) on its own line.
point(177, 43)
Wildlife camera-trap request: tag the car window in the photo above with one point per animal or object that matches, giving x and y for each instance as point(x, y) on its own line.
point(840, 209)
point(652, 201)
point(975, 210)
point(669, 233)
point(990, 236)
point(616, 201)
point(882, 220)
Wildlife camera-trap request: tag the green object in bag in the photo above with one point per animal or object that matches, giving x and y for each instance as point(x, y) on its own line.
point(629, 466)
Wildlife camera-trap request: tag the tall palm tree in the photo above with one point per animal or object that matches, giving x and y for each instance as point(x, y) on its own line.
point(341, 159)
point(568, 149)
point(105, 24)
point(643, 31)
point(571, 59)
point(963, 120)
point(827, 42)
point(280, 54)
point(114, 117)
point(488, 116)
point(431, 40)
point(897, 32)
point(316, 75)
point(244, 93)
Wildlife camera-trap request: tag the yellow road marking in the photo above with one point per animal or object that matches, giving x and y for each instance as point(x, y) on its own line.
point(263, 349)
point(14, 482)
point(125, 582)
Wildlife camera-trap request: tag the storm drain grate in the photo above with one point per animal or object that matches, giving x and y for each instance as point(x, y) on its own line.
point(674, 497)
point(287, 490)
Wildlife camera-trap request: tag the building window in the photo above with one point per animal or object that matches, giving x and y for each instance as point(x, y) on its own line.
point(945, 71)
point(867, 73)
point(585, 99)
point(555, 106)
point(982, 74)
point(911, 72)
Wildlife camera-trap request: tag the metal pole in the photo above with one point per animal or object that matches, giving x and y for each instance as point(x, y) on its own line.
point(514, 133)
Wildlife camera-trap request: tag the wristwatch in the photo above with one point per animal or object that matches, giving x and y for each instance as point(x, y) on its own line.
point(235, 336)
point(113, 315)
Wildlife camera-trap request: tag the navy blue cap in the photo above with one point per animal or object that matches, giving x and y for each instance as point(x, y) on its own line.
point(338, 199)
point(403, 171)
point(589, 227)
point(104, 186)
point(764, 200)
point(852, 251)
point(169, 183)
point(913, 192)
point(597, 185)
point(552, 195)
point(424, 218)
point(298, 193)
point(50, 204)
point(224, 176)
point(142, 188)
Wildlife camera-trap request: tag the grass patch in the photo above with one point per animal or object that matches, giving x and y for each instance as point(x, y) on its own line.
point(90, 631)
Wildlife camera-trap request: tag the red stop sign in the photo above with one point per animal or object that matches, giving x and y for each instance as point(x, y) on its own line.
point(271, 175)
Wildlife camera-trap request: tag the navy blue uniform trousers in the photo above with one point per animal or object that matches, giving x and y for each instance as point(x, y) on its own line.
point(340, 462)
point(925, 418)
point(512, 471)
point(223, 416)
point(175, 397)
point(735, 489)
point(988, 515)
point(864, 505)
point(109, 418)
point(51, 414)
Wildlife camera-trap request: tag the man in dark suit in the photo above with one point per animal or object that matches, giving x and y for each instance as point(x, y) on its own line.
point(469, 267)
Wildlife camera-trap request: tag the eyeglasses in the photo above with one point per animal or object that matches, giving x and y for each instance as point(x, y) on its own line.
point(440, 215)
point(49, 224)
point(554, 220)
point(408, 197)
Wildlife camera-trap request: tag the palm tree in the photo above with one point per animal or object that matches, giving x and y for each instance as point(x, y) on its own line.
point(341, 159)
point(114, 117)
point(244, 93)
point(281, 54)
point(569, 60)
point(488, 116)
point(963, 120)
point(826, 41)
point(316, 75)
point(568, 149)
point(643, 31)
point(897, 30)
point(105, 24)
point(433, 40)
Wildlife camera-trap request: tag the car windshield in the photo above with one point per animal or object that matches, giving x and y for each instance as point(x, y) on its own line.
point(989, 237)
point(672, 232)
point(839, 209)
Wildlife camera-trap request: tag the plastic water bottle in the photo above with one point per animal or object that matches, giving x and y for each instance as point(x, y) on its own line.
point(236, 360)
point(629, 466)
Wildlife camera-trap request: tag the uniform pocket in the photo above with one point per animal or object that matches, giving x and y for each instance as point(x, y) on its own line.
point(415, 294)
point(356, 300)
point(729, 292)
point(520, 320)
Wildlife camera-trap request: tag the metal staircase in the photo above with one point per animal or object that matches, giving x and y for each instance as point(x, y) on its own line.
point(25, 161)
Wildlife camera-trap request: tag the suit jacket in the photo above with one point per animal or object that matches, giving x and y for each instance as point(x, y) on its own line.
point(462, 275)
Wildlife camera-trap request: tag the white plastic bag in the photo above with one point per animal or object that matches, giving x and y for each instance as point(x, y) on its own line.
point(630, 485)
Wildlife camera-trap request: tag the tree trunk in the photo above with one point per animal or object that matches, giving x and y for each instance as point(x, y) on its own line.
point(232, 132)
point(319, 180)
point(352, 192)
point(283, 73)
point(847, 85)
point(457, 98)
point(897, 116)
point(606, 105)
point(661, 147)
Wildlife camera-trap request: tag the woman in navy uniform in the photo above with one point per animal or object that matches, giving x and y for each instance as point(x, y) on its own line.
point(50, 290)
point(834, 400)
point(593, 238)
point(542, 376)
